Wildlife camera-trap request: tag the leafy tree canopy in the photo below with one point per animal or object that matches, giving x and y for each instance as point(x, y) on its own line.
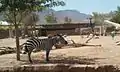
point(13, 8)
point(116, 17)
point(51, 18)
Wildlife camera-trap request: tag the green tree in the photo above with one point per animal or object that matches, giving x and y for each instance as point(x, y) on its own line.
point(13, 8)
point(99, 18)
point(116, 17)
point(51, 18)
point(95, 17)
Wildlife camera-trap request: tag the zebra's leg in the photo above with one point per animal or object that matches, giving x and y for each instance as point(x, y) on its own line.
point(47, 55)
point(29, 56)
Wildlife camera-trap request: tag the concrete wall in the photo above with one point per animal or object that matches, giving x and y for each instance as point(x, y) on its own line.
point(69, 32)
point(4, 33)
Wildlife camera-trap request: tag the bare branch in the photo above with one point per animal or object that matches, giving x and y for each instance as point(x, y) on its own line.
point(9, 17)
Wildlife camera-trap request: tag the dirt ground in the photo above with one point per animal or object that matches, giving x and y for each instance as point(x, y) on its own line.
point(108, 53)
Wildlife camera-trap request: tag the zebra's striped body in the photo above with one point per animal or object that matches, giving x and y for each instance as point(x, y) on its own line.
point(45, 44)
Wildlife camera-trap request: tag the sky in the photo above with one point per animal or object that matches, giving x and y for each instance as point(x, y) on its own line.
point(89, 6)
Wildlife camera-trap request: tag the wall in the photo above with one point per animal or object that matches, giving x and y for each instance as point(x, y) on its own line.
point(68, 32)
point(60, 68)
point(4, 34)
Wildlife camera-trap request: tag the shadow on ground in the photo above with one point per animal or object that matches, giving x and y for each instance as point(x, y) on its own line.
point(66, 60)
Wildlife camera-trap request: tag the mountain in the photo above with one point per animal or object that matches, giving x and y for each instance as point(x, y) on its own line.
point(75, 15)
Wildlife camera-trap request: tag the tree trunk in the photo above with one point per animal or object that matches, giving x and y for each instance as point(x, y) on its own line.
point(16, 35)
point(90, 38)
point(93, 34)
point(17, 42)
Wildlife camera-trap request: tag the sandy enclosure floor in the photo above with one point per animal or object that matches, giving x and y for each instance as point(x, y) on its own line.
point(108, 53)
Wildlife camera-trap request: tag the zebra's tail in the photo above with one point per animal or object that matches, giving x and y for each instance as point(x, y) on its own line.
point(23, 48)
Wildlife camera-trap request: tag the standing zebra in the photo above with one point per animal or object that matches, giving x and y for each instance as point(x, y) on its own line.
point(46, 44)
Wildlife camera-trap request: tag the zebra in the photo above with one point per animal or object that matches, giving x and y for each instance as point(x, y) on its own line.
point(46, 44)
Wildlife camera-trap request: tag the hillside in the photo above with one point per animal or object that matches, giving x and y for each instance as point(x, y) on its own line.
point(75, 15)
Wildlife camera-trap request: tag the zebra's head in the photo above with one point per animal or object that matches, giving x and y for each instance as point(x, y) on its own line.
point(59, 39)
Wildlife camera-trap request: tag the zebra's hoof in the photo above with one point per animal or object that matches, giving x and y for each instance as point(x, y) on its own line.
point(47, 60)
point(31, 61)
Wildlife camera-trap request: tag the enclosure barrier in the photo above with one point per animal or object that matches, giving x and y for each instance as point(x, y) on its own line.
point(60, 68)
